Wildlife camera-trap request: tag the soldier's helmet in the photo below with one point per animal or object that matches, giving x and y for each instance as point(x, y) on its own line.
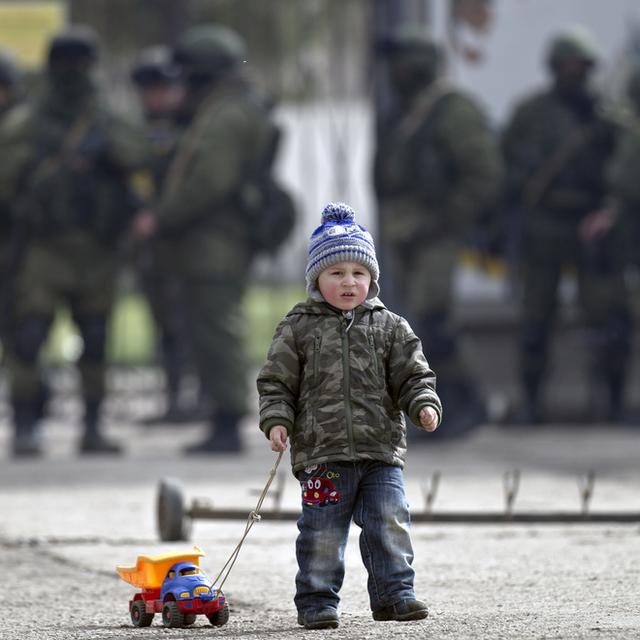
point(9, 70)
point(572, 44)
point(412, 44)
point(210, 49)
point(78, 42)
point(155, 66)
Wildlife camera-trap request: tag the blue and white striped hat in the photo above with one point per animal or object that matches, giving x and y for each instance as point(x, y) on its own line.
point(340, 239)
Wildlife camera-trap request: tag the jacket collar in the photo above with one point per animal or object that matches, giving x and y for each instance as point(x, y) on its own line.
point(322, 308)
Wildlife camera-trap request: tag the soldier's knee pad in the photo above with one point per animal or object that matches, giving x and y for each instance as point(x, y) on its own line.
point(30, 334)
point(94, 334)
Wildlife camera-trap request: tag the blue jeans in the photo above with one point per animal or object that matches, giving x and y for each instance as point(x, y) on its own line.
point(372, 494)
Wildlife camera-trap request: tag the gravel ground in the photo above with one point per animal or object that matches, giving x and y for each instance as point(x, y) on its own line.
point(479, 582)
point(66, 522)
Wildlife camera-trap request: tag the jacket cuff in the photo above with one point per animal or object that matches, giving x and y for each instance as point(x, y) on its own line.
point(269, 423)
point(418, 406)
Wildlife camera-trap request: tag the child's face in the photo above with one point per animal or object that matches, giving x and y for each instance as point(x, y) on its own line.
point(345, 285)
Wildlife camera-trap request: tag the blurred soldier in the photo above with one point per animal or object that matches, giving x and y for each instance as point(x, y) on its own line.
point(556, 145)
point(9, 91)
point(622, 174)
point(201, 209)
point(158, 81)
point(9, 81)
point(67, 159)
point(437, 168)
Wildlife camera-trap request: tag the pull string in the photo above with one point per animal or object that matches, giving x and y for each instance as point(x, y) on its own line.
point(254, 516)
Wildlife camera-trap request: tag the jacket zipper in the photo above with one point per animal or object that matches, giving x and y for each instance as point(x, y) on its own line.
point(347, 383)
point(372, 346)
point(316, 356)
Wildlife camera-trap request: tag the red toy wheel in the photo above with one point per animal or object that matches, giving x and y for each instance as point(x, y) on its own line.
point(139, 615)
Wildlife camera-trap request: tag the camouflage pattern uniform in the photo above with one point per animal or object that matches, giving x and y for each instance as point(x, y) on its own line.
point(199, 210)
point(340, 386)
point(556, 145)
point(622, 176)
point(158, 82)
point(437, 167)
point(67, 163)
point(9, 83)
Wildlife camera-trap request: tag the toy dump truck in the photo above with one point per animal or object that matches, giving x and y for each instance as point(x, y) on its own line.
point(173, 585)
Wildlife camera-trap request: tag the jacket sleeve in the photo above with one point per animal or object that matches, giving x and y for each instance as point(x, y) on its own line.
point(622, 175)
point(279, 381)
point(214, 165)
point(473, 150)
point(127, 148)
point(17, 153)
point(521, 145)
point(413, 383)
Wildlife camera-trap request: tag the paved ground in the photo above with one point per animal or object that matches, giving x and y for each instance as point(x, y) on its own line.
point(66, 522)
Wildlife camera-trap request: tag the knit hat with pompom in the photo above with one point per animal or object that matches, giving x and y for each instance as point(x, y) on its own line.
point(340, 239)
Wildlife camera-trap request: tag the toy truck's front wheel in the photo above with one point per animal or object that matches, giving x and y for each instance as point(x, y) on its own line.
point(189, 618)
point(220, 617)
point(139, 615)
point(172, 617)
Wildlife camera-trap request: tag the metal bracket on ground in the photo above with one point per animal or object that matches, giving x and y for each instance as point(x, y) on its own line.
point(175, 515)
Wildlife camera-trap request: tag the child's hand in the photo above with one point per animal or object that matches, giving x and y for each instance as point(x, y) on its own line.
point(278, 437)
point(429, 419)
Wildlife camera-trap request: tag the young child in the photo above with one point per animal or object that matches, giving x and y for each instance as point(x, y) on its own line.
point(340, 374)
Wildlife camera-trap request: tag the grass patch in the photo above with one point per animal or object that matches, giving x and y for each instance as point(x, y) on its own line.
point(132, 333)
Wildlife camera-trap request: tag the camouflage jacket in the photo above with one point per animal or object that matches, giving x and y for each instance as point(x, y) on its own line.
point(437, 167)
point(555, 157)
point(340, 386)
point(67, 170)
point(198, 207)
point(622, 174)
point(624, 188)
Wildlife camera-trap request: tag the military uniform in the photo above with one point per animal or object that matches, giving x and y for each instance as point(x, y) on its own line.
point(437, 168)
point(622, 178)
point(200, 210)
point(158, 82)
point(556, 145)
point(70, 159)
point(9, 82)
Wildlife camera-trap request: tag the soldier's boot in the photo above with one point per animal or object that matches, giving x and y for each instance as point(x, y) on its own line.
point(531, 409)
point(44, 393)
point(617, 364)
point(92, 439)
point(615, 390)
point(173, 411)
point(534, 355)
point(224, 436)
point(27, 441)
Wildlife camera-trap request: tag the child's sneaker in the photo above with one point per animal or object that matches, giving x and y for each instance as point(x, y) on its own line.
point(403, 611)
point(326, 618)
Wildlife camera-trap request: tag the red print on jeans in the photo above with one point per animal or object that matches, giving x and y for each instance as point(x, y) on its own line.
point(319, 491)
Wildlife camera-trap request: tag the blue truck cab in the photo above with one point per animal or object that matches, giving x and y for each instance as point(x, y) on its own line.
point(185, 581)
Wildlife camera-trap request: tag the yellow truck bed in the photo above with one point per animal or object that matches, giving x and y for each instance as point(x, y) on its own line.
point(150, 571)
